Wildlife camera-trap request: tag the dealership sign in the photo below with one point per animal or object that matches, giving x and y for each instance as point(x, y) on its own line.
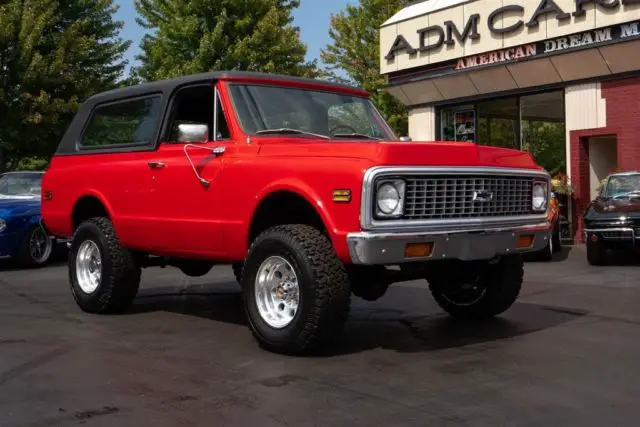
point(585, 39)
point(436, 36)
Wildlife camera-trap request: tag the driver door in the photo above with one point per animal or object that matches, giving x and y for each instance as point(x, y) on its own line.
point(184, 199)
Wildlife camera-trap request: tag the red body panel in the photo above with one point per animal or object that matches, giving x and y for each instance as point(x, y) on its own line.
point(169, 212)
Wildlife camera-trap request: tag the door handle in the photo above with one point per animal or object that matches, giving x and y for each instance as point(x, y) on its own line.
point(155, 164)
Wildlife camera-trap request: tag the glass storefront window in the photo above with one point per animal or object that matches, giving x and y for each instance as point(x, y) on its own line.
point(543, 129)
point(458, 123)
point(498, 123)
point(533, 123)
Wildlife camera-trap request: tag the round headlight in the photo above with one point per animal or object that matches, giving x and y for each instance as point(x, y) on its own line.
point(3, 225)
point(539, 200)
point(388, 198)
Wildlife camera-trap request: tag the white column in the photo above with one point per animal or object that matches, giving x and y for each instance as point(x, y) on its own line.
point(584, 109)
point(422, 123)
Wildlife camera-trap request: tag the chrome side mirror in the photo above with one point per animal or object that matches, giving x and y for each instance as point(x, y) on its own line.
point(405, 139)
point(193, 133)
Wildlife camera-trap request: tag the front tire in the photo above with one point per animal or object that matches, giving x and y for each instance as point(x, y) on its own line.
point(478, 290)
point(296, 290)
point(595, 253)
point(104, 276)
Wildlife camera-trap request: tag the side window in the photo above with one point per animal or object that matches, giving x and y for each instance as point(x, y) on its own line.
point(128, 122)
point(195, 105)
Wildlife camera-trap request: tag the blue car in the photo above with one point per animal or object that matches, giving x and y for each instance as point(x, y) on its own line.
point(22, 236)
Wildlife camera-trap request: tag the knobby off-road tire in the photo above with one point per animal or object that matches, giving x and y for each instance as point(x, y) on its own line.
point(119, 274)
point(500, 287)
point(323, 289)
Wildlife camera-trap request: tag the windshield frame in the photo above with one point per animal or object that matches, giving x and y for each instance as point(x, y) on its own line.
point(373, 112)
point(39, 176)
point(607, 192)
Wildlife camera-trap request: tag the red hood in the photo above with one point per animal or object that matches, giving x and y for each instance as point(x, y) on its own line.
point(401, 153)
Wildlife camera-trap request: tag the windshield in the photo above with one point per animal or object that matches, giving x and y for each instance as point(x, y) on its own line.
point(20, 185)
point(619, 186)
point(299, 112)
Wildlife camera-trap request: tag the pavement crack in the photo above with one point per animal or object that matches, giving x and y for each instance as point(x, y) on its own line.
point(33, 364)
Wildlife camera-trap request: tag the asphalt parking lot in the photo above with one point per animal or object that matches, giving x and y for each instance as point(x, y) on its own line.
point(566, 355)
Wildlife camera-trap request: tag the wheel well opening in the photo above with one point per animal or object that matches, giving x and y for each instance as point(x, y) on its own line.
point(87, 207)
point(281, 208)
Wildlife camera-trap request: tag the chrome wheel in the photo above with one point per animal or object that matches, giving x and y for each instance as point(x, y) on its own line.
point(277, 292)
point(88, 267)
point(40, 246)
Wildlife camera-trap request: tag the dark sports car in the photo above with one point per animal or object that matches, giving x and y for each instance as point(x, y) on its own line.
point(22, 237)
point(612, 219)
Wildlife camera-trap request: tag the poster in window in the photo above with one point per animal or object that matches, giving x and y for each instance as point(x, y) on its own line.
point(465, 125)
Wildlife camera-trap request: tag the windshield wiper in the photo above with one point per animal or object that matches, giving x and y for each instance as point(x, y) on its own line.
point(355, 135)
point(289, 130)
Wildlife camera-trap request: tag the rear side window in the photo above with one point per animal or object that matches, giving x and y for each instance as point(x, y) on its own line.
point(129, 122)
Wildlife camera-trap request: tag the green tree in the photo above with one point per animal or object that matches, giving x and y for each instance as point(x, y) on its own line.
point(356, 51)
point(203, 35)
point(53, 55)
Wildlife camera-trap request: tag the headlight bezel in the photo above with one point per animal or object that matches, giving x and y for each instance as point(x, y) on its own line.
point(400, 187)
point(543, 185)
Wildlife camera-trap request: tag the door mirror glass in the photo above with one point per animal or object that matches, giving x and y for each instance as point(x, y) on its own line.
point(193, 133)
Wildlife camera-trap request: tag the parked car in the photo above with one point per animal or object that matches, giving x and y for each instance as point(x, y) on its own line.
point(554, 242)
point(299, 184)
point(612, 219)
point(22, 237)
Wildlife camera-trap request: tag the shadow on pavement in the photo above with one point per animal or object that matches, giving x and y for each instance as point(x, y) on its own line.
point(559, 256)
point(369, 328)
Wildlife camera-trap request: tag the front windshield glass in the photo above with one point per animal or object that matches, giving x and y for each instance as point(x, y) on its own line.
point(20, 185)
point(623, 186)
point(299, 112)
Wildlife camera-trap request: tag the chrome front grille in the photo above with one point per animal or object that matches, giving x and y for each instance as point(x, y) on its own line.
point(618, 235)
point(450, 196)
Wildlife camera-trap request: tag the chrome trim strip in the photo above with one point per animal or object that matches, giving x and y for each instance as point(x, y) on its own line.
point(619, 229)
point(366, 207)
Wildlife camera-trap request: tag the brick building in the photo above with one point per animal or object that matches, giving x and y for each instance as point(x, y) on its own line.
point(558, 78)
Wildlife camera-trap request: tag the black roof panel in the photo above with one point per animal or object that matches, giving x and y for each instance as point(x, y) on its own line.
point(170, 84)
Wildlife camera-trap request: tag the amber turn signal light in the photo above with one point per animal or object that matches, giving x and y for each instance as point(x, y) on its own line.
point(418, 250)
point(342, 196)
point(525, 241)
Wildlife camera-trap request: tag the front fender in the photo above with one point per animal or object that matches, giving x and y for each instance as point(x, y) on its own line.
point(302, 189)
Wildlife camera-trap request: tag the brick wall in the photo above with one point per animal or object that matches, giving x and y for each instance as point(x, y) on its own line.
point(623, 120)
point(623, 114)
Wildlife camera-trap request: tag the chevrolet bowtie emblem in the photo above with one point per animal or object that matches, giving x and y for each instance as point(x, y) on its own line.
point(482, 196)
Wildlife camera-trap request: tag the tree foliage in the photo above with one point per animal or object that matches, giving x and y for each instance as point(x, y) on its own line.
point(203, 35)
point(356, 50)
point(53, 54)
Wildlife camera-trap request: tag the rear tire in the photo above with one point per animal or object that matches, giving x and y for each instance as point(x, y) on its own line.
point(104, 276)
point(35, 249)
point(310, 286)
point(479, 290)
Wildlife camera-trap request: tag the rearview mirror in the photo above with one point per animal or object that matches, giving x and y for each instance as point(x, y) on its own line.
point(193, 133)
point(405, 139)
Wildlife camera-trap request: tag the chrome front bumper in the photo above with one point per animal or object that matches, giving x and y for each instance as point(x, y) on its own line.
point(371, 248)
